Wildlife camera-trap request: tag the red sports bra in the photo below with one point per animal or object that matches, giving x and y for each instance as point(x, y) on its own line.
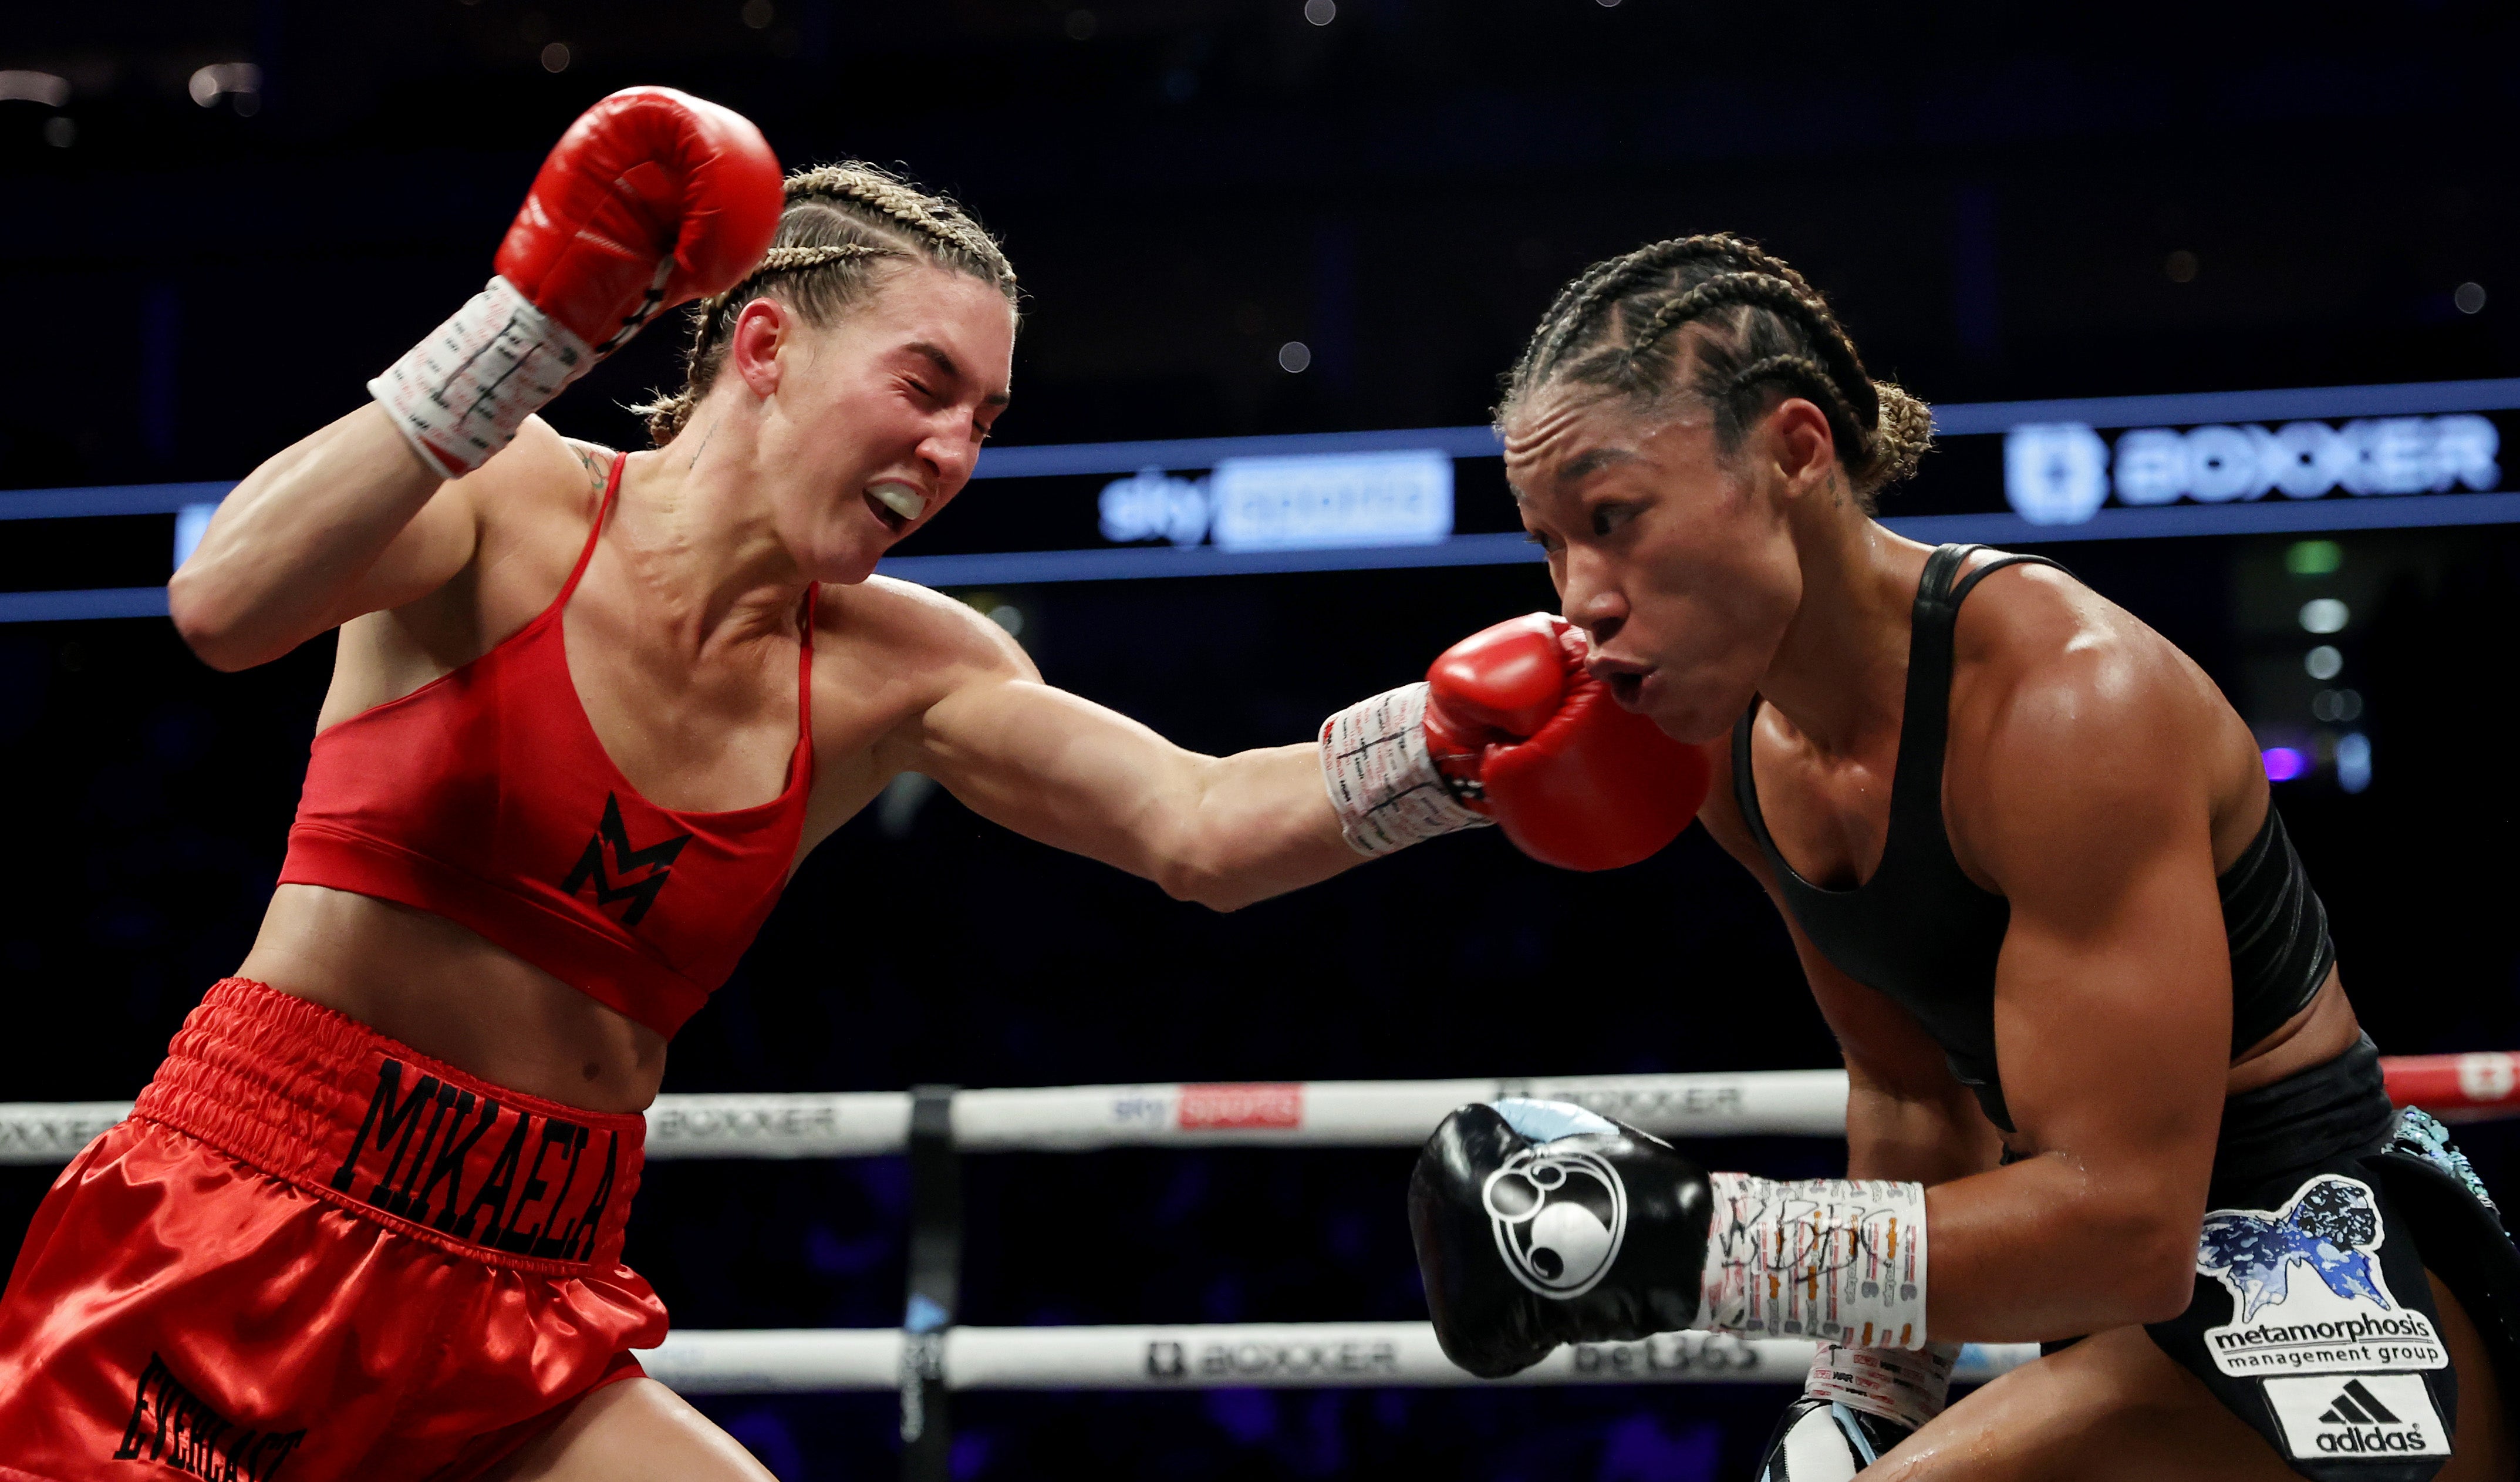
point(486, 797)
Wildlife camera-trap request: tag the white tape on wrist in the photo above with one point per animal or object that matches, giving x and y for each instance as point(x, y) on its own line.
point(461, 393)
point(1836, 1260)
point(1381, 779)
point(1909, 1385)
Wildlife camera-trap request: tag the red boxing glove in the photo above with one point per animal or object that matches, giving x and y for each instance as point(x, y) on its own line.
point(1528, 736)
point(651, 199)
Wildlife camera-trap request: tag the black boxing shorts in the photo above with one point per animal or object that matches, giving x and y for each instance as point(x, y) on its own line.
point(2313, 1320)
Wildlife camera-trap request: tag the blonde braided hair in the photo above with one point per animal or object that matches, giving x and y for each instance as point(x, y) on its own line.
point(843, 222)
point(1761, 328)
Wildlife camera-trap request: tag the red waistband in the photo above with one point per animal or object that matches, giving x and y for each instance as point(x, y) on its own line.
point(319, 1099)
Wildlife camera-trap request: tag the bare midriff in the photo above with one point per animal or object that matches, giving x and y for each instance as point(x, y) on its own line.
point(453, 996)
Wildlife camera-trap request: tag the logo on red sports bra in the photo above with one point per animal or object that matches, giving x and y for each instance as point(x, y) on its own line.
point(656, 859)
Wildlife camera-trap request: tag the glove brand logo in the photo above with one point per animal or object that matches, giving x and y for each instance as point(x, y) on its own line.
point(657, 859)
point(1558, 1215)
point(2368, 1415)
point(2345, 1319)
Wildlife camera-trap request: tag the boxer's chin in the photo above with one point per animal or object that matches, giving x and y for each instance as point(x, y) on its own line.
point(841, 558)
point(1689, 715)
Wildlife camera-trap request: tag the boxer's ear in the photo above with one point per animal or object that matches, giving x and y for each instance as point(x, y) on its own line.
point(762, 329)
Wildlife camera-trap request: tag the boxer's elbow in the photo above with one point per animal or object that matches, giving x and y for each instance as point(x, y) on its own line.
point(1205, 883)
point(213, 623)
point(2153, 1269)
point(1210, 848)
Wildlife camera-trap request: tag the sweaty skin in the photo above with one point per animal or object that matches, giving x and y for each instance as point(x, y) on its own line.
point(682, 643)
point(2094, 776)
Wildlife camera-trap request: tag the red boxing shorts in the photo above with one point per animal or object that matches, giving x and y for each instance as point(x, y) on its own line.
point(311, 1253)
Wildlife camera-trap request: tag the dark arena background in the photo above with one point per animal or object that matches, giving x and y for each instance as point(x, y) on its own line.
point(1245, 218)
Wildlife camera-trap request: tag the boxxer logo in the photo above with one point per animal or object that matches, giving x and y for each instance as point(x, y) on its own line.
point(657, 859)
point(1558, 1216)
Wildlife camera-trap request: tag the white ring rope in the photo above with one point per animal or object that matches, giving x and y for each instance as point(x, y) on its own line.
point(1263, 1114)
point(1081, 1118)
point(1315, 1114)
point(1221, 1356)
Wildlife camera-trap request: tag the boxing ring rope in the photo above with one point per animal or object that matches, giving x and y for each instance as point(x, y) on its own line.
point(1261, 1115)
point(931, 1356)
point(1220, 1355)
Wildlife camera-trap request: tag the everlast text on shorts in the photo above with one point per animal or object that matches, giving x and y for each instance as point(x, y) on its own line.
point(172, 1426)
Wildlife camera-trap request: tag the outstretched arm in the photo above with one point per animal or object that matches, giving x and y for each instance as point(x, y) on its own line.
point(1222, 831)
point(1508, 728)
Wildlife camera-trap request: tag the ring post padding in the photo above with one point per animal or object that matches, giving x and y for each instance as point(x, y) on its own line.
point(1225, 1355)
point(936, 1262)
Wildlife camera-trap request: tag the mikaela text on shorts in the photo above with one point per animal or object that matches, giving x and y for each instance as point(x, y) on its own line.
point(174, 1427)
point(477, 1171)
point(2375, 1415)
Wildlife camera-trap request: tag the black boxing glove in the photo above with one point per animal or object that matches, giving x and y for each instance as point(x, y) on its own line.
point(1539, 1223)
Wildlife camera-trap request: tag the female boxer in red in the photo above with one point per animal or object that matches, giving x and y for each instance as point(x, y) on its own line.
point(588, 711)
point(2106, 1085)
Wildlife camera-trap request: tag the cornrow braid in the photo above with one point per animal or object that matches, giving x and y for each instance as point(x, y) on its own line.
point(1844, 371)
point(1761, 328)
point(937, 219)
point(1581, 303)
point(842, 224)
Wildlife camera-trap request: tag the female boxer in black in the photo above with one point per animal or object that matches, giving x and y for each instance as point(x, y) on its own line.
point(2102, 1064)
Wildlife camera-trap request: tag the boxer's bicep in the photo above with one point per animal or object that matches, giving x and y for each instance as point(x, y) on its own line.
point(2113, 993)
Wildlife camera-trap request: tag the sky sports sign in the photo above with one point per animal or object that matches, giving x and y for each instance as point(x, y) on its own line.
point(2013, 473)
point(2065, 473)
point(1317, 500)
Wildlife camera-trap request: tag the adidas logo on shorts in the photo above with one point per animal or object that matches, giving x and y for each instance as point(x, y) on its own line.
point(2373, 1415)
point(2355, 1405)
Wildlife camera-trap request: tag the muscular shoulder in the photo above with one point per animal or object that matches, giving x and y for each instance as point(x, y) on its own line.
point(899, 624)
point(2070, 716)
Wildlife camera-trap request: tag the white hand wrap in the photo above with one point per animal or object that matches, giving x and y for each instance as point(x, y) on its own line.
point(1839, 1260)
point(1907, 1385)
point(1381, 779)
point(461, 393)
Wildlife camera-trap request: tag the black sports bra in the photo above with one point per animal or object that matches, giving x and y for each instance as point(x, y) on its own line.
point(1923, 933)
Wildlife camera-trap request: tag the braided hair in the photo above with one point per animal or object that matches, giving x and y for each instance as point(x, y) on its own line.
point(1761, 331)
point(842, 223)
